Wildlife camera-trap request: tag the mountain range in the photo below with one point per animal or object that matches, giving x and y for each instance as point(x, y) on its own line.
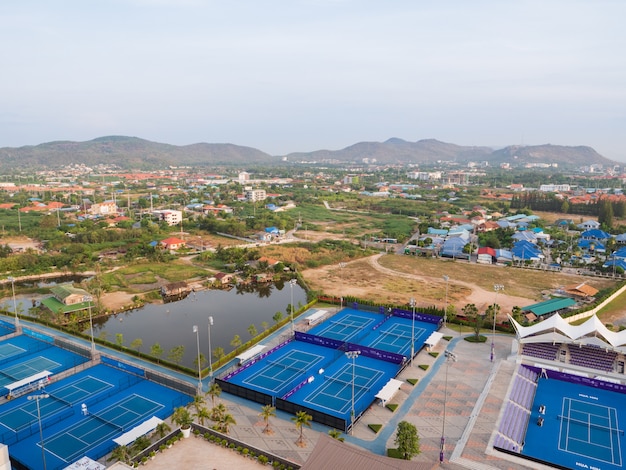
point(136, 153)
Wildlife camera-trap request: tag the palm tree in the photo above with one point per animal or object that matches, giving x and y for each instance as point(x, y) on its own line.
point(301, 419)
point(121, 454)
point(202, 414)
point(141, 443)
point(214, 392)
point(162, 429)
point(198, 401)
point(267, 412)
point(218, 412)
point(336, 434)
point(226, 421)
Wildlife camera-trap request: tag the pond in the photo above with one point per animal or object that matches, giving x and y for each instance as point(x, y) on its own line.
point(171, 324)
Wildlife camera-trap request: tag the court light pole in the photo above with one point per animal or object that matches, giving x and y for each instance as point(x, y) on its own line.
point(497, 288)
point(445, 312)
point(449, 357)
point(41, 396)
point(195, 330)
point(341, 266)
point(352, 355)
point(412, 303)
point(210, 362)
point(292, 283)
point(17, 320)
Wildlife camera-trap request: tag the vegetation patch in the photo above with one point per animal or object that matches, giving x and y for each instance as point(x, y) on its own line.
point(392, 406)
point(394, 453)
point(447, 338)
point(375, 427)
point(424, 366)
point(412, 381)
point(434, 354)
point(474, 339)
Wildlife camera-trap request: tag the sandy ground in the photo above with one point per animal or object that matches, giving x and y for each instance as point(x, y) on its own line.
point(388, 285)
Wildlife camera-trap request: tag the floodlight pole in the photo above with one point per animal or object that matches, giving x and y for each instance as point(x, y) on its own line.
point(449, 357)
point(352, 355)
point(210, 362)
point(292, 283)
point(17, 319)
point(88, 299)
point(497, 288)
point(341, 266)
point(445, 312)
point(195, 330)
point(412, 303)
point(37, 398)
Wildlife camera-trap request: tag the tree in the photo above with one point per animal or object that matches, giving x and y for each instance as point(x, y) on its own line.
point(278, 316)
point(236, 342)
point(198, 401)
point(252, 330)
point(336, 434)
point(137, 343)
point(141, 443)
point(121, 454)
point(176, 354)
point(471, 312)
point(407, 440)
point(199, 361)
point(162, 429)
point(218, 353)
point(265, 325)
point(226, 421)
point(203, 414)
point(267, 412)
point(301, 419)
point(157, 351)
point(214, 392)
point(119, 339)
point(605, 213)
point(182, 417)
point(218, 411)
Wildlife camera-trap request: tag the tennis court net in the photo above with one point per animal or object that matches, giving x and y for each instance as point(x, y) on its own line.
point(59, 399)
point(287, 366)
point(396, 335)
point(106, 421)
point(590, 425)
point(345, 382)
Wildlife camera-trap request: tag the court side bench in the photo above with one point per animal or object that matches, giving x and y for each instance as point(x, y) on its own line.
point(27, 384)
point(388, 391)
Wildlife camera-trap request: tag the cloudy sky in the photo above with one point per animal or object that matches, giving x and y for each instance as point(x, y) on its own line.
point(302, 75)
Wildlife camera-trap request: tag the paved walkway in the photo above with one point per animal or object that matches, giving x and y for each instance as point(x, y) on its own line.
point(475, 387)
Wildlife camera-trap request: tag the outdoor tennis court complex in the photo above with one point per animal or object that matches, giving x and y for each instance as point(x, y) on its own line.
point(95, 406)
point(341, 365)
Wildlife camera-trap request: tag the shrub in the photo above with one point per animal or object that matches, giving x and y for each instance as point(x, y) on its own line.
point(263, 459)
point(392, 406)
point(434, 354)
point(447, 338)
point(375, 427)
point(394, 453)
point(246, 451)
point(162, 447)
point(412, 381)
point(423, 366)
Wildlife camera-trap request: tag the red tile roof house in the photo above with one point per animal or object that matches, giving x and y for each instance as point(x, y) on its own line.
point(172, 243)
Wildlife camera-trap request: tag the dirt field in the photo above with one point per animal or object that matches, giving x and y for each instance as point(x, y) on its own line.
point(395, 279)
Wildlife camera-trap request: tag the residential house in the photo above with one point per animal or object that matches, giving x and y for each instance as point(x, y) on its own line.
point(172, 243)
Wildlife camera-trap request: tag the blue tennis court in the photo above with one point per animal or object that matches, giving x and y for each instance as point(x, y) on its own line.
point(8, 350)
point(347, 327)
point(71, 443)
point(115, 401)
point(580, 426)
point(283, 369)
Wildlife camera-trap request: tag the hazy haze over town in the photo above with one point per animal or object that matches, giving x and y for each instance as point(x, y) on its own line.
point(306, 75)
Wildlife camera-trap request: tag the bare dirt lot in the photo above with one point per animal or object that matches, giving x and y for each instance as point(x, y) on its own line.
point(395, 279)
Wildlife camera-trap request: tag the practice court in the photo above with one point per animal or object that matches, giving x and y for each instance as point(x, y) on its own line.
point(581, 427)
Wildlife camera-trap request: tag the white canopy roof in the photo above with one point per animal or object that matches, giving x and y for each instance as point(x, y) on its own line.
point(137, 431)
point(250, 353)
point(557, 330)
point(389, 390)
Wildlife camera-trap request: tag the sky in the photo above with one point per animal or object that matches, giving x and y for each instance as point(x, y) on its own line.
point(302, 75)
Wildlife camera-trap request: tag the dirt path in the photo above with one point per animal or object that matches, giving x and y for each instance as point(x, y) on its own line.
point(478, 296)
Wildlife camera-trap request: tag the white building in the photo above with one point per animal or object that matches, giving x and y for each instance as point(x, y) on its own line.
point(171, 217)
point(552, 188)
point(254, 195)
